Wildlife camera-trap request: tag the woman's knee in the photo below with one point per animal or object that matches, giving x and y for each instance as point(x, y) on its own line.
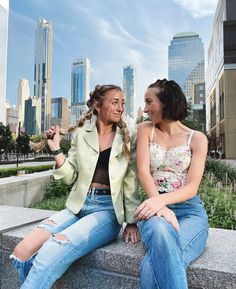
point(31, 244)
point(158, 228)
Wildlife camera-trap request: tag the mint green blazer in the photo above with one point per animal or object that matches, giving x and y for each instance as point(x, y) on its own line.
point(79, 167)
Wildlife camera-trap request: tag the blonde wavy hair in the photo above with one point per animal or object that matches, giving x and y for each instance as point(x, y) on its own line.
point(98, 96)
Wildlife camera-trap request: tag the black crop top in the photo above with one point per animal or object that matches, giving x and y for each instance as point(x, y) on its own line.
point(101, 174)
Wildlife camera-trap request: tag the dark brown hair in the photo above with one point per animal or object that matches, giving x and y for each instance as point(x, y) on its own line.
point(97, 95)
point(173, 99)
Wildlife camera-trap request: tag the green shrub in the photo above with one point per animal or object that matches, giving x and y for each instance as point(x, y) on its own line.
point(55, 196)
point(8, 172)
point(220, 204)
point(56, 189)
point(223, 172)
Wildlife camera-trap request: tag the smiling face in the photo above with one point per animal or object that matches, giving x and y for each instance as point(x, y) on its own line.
point(112, 107)
point(153, 106)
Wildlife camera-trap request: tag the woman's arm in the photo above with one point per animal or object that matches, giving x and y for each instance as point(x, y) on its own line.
point(65, 168)
point(143, 159)
point(132, 198)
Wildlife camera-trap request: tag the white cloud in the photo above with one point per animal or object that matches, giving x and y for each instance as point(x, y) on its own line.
point(198, 8)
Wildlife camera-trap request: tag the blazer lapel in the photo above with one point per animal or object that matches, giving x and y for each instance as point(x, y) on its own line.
point(117, 144)
point(91, 136)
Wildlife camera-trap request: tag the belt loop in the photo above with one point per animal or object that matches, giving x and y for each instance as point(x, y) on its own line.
point(93, 194)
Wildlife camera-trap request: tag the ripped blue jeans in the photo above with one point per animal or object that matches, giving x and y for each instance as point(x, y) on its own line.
point(94, 226)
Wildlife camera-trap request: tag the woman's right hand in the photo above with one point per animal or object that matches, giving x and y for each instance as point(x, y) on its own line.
point(169, 215)
point(53, 138)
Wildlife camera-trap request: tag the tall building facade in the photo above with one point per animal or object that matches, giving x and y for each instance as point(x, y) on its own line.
point(4, 8)
point(129, 88)
point(59, 111)
point(32, 116)
point(23, 93)
point(186, 62)
point(43, 70)
point(221, 80)
point(80, 87)
point(12, 118)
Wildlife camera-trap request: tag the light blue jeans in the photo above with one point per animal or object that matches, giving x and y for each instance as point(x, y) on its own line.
point(170, 252)
point(94, 226)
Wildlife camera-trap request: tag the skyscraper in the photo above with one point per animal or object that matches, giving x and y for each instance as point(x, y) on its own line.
point(221, 80)
point(80, 86)
point(129, 83)
point(43, 70)
point(59, 111)
point(186, 62)
point(32, 115)
point(4, 6)
point(23, 93)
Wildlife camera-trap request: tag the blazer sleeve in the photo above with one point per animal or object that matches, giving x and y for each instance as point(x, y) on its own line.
point(68, 172)
point(132, 197)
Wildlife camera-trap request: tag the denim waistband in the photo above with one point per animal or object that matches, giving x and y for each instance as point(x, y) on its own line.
point(99, 191)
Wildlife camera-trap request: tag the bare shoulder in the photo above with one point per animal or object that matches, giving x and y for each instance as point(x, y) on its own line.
point(199, 140)
point(144, 126)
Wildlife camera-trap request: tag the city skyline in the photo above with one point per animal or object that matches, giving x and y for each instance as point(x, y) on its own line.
point(110, 38)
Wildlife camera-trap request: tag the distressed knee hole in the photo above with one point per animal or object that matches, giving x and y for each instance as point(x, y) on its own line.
point(60, 238)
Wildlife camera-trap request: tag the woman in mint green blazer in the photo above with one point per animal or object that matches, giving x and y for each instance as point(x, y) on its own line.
point(103, 196)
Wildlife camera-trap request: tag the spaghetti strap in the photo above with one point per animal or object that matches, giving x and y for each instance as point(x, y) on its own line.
point(190, 137)
point(152, 134)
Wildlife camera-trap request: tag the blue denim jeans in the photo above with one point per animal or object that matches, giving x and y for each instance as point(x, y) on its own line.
point(94, 226)
point(170, 252)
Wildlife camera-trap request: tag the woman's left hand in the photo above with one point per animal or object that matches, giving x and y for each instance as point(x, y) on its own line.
point(131, 233)
point(149, 208)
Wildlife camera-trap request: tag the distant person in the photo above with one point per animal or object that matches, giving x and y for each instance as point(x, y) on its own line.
point(103, 196)
point(170, 158)
point(220, 150)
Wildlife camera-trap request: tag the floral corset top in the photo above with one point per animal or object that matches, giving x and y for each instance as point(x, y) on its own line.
point(169, 168)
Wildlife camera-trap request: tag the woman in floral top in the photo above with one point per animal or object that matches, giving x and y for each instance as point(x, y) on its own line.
point(170, 158)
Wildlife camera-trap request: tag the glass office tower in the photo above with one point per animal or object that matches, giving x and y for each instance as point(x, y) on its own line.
point(186, 62)
point(43, 70)
point(80, 87)
point(129, 82)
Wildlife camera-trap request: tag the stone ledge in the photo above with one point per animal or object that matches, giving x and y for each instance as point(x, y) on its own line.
point(117, 265)
point(25, 190)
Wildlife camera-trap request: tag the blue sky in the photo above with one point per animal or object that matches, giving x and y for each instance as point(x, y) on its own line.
point(111, 33)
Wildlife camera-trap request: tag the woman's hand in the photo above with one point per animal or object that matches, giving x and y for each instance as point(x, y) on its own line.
point(149, 208)
point(131, 233)
point(170, 217)
point(53, 138)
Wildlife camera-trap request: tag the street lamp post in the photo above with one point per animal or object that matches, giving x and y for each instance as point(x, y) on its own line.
point(17, 147)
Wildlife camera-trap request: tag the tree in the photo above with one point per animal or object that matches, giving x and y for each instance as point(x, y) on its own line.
point(5, 139)
point(23, 143)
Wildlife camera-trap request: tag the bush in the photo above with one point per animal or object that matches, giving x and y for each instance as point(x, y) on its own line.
point(220, 203)
point(221, 171)
point(13, 171)
point(55, 196)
